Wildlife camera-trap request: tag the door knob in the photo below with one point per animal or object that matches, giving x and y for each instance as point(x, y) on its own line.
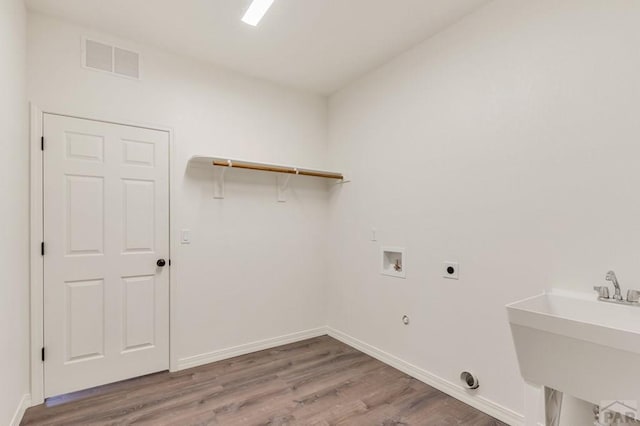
point(161, 262)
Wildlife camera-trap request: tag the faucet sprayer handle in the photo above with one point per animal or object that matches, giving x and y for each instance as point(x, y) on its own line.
point(603, 291)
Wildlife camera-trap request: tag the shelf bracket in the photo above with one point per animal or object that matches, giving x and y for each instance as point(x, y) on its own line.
point(283, 186)
point(218, 181)
point(346, 178)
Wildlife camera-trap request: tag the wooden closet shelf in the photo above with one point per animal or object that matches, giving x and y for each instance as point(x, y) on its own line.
point(265, 167)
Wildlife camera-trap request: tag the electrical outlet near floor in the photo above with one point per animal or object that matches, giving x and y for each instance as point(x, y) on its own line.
point(451, 270)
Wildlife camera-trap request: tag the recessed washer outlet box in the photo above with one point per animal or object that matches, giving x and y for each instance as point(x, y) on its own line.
point(393, 262)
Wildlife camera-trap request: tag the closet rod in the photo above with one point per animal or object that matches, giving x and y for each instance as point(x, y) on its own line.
point(277, 169)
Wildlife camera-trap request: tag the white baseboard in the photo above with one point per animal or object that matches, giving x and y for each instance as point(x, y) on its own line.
point(206, 358)
point(25, 403)
point(483, 404)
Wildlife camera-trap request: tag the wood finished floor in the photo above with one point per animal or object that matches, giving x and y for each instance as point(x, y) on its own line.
point(315, 382)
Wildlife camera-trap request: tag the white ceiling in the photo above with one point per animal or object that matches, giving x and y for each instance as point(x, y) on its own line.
point(317, 45)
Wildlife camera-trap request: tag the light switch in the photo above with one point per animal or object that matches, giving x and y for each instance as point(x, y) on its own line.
point(185, 236)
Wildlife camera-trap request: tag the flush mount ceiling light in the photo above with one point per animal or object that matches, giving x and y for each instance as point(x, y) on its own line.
point(256, 11)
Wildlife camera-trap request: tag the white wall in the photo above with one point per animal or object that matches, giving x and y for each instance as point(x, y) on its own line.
point(509, 143)
point(14, 210)
point(256, 268)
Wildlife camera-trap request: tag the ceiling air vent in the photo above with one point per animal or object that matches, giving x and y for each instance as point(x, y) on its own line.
point(114, 60)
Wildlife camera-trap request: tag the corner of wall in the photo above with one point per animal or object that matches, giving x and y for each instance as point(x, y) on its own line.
point(25, 402)
point(14, 211)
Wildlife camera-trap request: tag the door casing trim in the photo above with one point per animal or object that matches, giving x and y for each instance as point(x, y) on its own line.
point(36, 235)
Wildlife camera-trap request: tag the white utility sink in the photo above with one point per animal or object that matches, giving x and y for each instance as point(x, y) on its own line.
point(578, 345)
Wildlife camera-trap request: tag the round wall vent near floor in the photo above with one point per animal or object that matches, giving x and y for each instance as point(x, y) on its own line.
point(469, 381)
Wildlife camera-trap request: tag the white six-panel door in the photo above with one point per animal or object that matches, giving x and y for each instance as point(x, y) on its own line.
point(106, 224)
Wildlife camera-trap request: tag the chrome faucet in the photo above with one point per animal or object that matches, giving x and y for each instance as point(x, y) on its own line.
point(633, 296)
point(617, 293)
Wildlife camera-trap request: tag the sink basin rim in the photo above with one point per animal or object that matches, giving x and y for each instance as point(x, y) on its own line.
point(572, 325)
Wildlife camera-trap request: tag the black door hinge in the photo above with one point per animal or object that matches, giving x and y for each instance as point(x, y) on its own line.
point(43, 354)
point(42, 143)
point(42, 248)
point(169, 262)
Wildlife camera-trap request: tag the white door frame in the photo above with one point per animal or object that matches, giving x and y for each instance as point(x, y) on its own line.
point(37, 234)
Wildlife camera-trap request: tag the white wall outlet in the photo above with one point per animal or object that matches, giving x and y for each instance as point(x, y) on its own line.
point(451, 270)
point(185, 236)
